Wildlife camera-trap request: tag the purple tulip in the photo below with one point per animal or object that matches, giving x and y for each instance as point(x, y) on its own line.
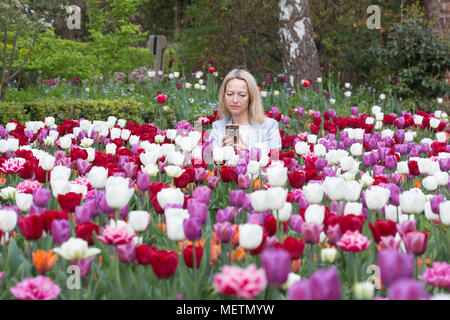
point(300, 111)
point(130, 169)
point(255, 154)
point(400, 135)
point(406, 226)
point(311, 232)
point(135, 149)
point(60, 231)
point(435, 201)
point(355, 111)
point(394, 197)
point(123, 213)
point(390, 162)
point(395, 266)
point(244, 181)
point(83, 166)
point(334, 234)
point(200, 174)
point(401, 122)
point(213, 181)
point(101, 200)
point(237, 198)
point(373, 158)
point(296, 221)
point(332, 113)
point(85, 265)
point(241, 168)
point(389, 243)
point(373, 143)
point(328, 172)
point(320, 164)
point(255, 218)
point(198, 209)
point(127, 252)
point(41, 197)
point(82, 214)
point(225, 215)
point(224, 231)
point(143, 181)
point(202, 194)
point(192, 228)
point(396, 178)
point(444, 164)
point(276, 264)
point(207, 151)
point(274, 110)
point(119, 174)
point(407, 289)
point(36, 209)
point(325, 284)
point(300, 290)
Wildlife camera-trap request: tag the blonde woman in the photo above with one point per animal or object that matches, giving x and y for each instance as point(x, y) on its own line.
point(240, 104)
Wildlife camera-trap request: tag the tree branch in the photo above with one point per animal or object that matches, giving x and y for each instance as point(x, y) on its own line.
point(28, 54)
point(13, 48)
point(5, 42)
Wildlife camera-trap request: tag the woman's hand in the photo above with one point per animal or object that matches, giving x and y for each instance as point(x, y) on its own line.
point(240, 146)
point(227, 141)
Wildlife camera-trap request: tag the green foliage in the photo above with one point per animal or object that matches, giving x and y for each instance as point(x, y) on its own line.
point(232, 33)
point(112, 32)
point(81, 108)
point(418, 58)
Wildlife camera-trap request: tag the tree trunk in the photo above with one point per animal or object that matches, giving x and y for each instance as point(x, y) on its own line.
point(300, 55)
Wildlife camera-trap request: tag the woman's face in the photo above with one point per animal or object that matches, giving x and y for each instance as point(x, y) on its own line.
point(237, 97)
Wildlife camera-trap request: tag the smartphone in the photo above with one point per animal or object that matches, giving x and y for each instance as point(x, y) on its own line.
point(232, 130)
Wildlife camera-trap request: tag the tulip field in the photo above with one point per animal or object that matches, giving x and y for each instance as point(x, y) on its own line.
point(354, 206)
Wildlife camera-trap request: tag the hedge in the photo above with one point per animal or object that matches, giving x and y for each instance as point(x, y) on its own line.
point(129, 110)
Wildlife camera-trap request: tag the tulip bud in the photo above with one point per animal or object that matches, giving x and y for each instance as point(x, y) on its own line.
point(328, 255)
point(364, 290)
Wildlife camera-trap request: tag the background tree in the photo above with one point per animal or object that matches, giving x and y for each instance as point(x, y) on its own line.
point(22, 18)
point(300, 55)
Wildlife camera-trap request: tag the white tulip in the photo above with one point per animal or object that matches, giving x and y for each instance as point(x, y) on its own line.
point(118, 192)
point(312, 138)
point(175, 229)
point(150, 169)
point(111, 148)
point(228, 153)
point(122, 123)
point(187, 144)
point(250, 236)
point(412, 201)
point(86, 142)
point(139, 220)
point(170, 195)
point(65, 142)
point(430, 183)
point(370, 120)
point(418, 120)
point(8, 193)
point(393, 213)
point(284, 213)
point(335, 188)
point(159, 138)
point(377, 197)
point(253, 168)
point(3, 146)
point(13, 144)
point(277, 175)
point(335, 156)
point(47, 162)
point(356, 149)
point(258, 200)
point(353, 208)
point(353, 191)
point(349, 164)
point(379, 116)
point(111, 121)
point(328, 255)
point(276, 198)
point(8, 220)
point(85, 125)
point(125, 135)
point(97, 177)
point(364, 290)
point(49, 121)
point(174, 171)
point(301, 148)
point(313, 192)
point(59, 187)
point(171, 134)
point(61, 173)
point(402, 167)
point(76, 248)
point(91, 154)
point(133, 139)
point(315, 213)
point(409, 136)
point(376, 109)
point(319, 150)
point(444, 212)
point(115, 133)
point(434, 123)
point(292, 278)
point(441, 178)
point(176, 158)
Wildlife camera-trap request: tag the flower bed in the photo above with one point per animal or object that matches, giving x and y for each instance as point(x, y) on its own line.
point(351, 208)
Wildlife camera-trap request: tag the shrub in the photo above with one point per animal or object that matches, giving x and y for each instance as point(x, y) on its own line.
point(80, 108)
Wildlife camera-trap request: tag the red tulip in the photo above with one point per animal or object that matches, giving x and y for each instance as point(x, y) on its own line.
point(50, 215)
point(69, 201)
point(182, 181)
point(383, 229)
point(270, 225)
point(84, 231)
point(31, 226)
point(351, 222)
point(211, 69)
point(413, 168)
point(415, 242)
point(295, 247)
point(144, 254)
point(164, 263)
point(41, 175)
point(296, 179)
point(162, 98)
point(78, 153)
point(188, 255)
point(227, 174)
point(28, 169)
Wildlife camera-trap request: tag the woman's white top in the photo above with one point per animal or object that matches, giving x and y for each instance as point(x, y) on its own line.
point(264, 135)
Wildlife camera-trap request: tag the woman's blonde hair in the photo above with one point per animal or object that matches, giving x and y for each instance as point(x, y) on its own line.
point(255, 109)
